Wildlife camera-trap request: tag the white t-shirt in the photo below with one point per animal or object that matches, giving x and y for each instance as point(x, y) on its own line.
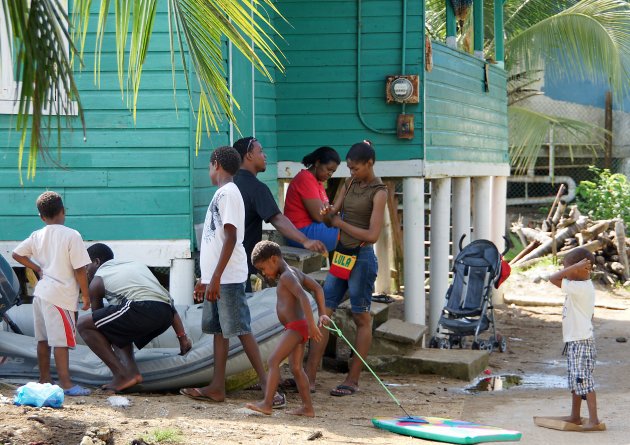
point(226, 208)
point(577, 313)
point(130, 280)
point(58, 250)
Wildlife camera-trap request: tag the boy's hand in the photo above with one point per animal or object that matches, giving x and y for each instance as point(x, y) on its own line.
point(214, 289)
point(185, 345)
point(324, 320)
point(86, 303)
point(584, 265)
point(314, 333)
point(200, 290)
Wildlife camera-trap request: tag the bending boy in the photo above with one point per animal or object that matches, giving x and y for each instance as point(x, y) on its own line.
point(295, 313)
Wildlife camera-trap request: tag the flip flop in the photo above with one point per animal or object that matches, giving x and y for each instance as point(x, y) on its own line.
point(279, 401)
point(343, 390)
point(77, 391)
point(196, 394)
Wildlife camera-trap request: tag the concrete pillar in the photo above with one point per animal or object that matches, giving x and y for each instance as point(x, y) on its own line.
point(182, 280)
point(499, 200)
point(383, 249)
point(481, 192)
point(439, 251)
point(461, 212)
point(413, 240)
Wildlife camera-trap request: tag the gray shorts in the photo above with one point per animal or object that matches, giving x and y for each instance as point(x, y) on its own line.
point(581, 357)
point(229, 315)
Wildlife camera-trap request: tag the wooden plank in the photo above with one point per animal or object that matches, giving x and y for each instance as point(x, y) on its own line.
point(155, 177)
point(54, 178)
point(128, 201)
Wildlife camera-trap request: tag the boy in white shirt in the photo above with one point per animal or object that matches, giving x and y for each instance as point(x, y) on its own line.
point(57, 255)
point(577, 332)
point(223, 274)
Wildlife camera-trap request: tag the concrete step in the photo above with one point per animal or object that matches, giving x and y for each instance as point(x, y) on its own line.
point(302, 259)
point(401, 331)
point(459, 364)
point(319, 276)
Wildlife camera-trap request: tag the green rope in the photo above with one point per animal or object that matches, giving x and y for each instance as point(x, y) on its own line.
point(337, 331)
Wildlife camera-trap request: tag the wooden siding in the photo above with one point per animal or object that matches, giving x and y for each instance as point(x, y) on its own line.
point(317, 97)
point(463, 121)
point(126, 181)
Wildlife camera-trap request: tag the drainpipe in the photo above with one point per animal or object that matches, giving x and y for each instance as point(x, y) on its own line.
point(498, 33)
point(451, 25)
point(478, 28)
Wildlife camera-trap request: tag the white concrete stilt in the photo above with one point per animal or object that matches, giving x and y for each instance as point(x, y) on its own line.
point(439, 251)
point(481, 192)
point(413, 240)
point(182, 280)
point(383, 250)
point(461, 212)
point(499, 200)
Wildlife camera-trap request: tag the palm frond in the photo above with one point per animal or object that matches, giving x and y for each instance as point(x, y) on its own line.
point(529, 130)
point(46, 87)
point(590, 40)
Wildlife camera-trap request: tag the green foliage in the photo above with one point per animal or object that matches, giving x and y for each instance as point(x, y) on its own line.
point(607, 197)
point(517, 246)
point(166, 435)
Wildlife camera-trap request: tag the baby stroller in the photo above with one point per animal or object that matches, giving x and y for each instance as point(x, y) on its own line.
point(476, 270)
point(9, 293)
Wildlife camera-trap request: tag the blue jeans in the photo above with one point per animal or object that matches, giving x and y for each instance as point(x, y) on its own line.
point(229, 315)
point(319, 231)
point(360, 286)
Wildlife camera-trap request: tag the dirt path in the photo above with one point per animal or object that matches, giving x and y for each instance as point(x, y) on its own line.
point(535, 350)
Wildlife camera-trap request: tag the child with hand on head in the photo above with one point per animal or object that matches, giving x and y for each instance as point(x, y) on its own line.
point(295, 313)
point(56, 253)
point(577, 331)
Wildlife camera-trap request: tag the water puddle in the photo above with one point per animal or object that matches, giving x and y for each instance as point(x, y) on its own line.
point(504, 382)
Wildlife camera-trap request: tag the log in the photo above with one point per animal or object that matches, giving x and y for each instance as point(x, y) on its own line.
point(620, 243)
point(517, 228)
point(562, 235)
point(534, 235)
point(531, 246)
point(618, 268)
point(592, 246)
point(559, 212)
point(597, 228)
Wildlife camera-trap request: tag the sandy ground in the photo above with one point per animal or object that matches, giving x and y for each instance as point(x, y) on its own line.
point(535, 348)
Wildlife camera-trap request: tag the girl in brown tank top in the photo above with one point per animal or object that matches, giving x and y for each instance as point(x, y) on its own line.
point(358, 213)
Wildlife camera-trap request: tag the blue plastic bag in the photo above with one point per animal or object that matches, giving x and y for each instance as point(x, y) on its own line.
point(39, 394)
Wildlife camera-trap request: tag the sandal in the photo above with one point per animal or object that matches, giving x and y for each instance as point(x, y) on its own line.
point(279, 401)
point(343, 390)
point(77, 391)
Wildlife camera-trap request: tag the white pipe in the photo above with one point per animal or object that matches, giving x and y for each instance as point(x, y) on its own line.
point(413, 240)
point(182, 280)
point(383, 247)
point(439, 250)
point(570, 196)
point(481, 207)
point(499, 195)
point(461, 212)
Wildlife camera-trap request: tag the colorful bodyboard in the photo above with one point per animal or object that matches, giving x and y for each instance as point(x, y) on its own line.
point(445, 430)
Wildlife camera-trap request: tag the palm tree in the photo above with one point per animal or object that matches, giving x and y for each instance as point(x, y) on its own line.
point(44, 69)
point(576, 39)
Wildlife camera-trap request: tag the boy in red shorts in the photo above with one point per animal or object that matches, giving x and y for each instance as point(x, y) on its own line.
point(295, 313)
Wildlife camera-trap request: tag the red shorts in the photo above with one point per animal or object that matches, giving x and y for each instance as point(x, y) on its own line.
point(299, 326)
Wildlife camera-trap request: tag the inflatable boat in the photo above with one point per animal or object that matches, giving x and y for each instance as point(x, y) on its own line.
point(159, 363)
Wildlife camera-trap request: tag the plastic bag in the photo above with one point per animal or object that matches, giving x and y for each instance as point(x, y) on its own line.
point(39, 394)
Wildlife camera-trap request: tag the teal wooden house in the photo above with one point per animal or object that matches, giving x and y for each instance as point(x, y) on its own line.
point(142, 189)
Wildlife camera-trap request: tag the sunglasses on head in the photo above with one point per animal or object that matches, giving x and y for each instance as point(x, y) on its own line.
point(249, 144)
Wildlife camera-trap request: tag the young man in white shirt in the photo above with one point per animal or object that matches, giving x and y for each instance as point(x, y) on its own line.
point(224, 271)
point(58, 256)
point(577, 332)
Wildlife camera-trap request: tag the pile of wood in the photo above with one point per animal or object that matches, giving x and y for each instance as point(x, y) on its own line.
point(560, 234)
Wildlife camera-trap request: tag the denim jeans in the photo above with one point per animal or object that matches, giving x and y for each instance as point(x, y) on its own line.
point(360, 285)
point(229, 315)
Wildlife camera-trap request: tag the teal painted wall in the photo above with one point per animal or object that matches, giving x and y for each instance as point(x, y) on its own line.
point(126, 181)
point(317, 97)
point(463, 121)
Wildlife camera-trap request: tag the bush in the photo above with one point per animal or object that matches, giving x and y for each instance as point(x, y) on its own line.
point(607, 197)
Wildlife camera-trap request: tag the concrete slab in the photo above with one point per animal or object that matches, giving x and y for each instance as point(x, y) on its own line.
point(302, 259)
point(319, 276)
point(401, 331)
point(553, 300)
point(378, 311)
point(459, 364)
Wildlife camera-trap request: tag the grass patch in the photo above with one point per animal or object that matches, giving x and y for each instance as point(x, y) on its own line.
point(166, 435)
point(516, 247)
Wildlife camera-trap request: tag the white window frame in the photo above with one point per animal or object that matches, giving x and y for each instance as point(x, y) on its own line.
point(9, 88)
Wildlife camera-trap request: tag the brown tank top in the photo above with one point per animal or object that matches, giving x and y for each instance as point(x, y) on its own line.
point(357, 208)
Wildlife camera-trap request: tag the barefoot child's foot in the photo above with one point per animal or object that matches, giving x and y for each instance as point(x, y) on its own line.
point(573, 420)
point(260, 407)
point(302, 411)
point(120, 383)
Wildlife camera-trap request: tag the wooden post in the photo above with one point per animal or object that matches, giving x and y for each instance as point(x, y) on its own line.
point(499, 52)
point(608, 125)
point(478, 28)
point(451, 25)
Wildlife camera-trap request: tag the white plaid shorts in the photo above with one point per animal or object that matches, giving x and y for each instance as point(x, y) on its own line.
point(581, 356)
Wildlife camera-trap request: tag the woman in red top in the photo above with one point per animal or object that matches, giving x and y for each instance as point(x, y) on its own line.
point(306, 197)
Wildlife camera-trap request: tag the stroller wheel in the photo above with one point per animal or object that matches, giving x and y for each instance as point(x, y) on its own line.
point(475, 346)
point(444, 343)
point(433, 343)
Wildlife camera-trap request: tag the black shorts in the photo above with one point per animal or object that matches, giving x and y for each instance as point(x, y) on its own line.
point(136, 322)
